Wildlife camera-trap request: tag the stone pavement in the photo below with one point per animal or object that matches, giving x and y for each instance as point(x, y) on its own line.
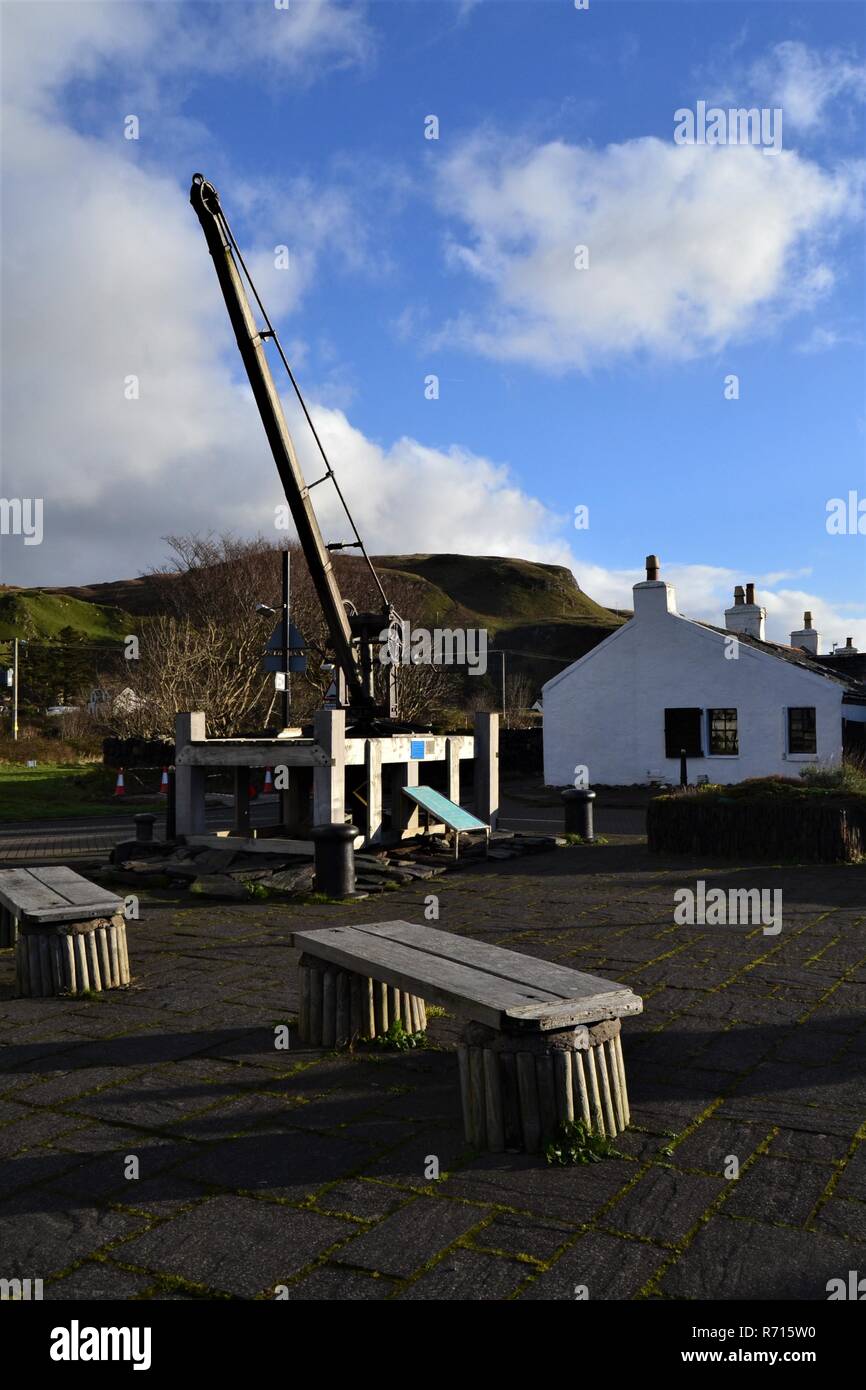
point(261, 1168)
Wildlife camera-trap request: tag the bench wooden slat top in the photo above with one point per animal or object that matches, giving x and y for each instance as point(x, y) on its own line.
point(488, 983)
point(54, 893)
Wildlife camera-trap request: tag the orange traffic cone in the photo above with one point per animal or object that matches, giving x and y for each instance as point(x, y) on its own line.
point(268, 788)
point(163, 786)
point(119, 788)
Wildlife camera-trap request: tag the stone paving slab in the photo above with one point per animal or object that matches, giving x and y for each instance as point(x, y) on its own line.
point(262, 1170)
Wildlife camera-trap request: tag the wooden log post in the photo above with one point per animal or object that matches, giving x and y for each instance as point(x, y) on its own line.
point(336, 1007)
point(71, 958)
point(8, 929)
point(533, 1083)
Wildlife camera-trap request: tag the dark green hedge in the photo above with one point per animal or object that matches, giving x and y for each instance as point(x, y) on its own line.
point(816, 828)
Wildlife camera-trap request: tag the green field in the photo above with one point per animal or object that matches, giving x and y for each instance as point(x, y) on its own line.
point(31, 613)
point(49, 790)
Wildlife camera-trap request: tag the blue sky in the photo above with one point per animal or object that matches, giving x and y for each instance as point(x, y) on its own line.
point(558, 387)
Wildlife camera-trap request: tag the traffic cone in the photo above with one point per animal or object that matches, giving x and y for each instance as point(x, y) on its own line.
point(119, 788)
point(163, 786)
point(268, 788)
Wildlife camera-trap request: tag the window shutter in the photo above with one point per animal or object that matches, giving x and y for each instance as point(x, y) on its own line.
point(683, 731)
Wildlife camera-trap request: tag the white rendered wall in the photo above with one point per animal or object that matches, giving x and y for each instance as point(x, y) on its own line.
point(607, 710)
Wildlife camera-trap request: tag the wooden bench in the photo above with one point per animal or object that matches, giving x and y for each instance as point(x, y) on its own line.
point(69, 935)
point(541, 1043)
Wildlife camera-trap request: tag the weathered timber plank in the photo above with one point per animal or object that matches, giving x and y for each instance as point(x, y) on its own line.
point(54, 895)
point(485, 997)
point(77, 891)
point(557, 980)
point(565, 1013)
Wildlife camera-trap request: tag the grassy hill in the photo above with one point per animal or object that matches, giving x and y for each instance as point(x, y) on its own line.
point(501, 590)
point(43, 613)
point(537, 613)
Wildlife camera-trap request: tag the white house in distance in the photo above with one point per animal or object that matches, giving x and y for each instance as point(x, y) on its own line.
point(740, 706)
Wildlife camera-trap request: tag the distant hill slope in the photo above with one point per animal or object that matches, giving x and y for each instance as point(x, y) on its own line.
point(42, 613)
point(536, 613)
point(503, 589)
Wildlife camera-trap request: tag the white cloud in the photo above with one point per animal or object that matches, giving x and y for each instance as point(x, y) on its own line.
point(825, 339)
point(46, 41)
point(703, 592)
point(690, 247)
point(805, 83)
point(107, 276)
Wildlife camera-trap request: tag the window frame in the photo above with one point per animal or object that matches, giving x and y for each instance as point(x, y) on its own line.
point(799, 752)
point(719, 709)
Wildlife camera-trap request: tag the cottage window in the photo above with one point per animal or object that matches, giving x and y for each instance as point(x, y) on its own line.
point(722, 724)
point(802, 736)
point(683, 733)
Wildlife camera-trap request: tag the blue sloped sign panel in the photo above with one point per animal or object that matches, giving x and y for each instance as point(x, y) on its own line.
point(442, 809)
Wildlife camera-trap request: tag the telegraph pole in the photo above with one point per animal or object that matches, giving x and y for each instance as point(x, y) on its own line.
point(287, 687)
point(15, 688)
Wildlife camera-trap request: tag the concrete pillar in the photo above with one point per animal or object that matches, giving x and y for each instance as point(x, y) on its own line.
point(373, 769)
point(405, 815)
point(487, 767)
point(295, 803)
point(189, 727)
point(329, 783)
point(452, 765)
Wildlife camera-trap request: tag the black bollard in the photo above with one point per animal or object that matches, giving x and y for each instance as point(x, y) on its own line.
point(578, 812)
point(684, 768)
point(144, 827)
point(335, 859)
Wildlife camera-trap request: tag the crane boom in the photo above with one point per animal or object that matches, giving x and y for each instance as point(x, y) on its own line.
point(358, 673)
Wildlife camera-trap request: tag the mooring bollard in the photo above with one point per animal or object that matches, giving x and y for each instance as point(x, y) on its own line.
point(335, 859)
point(144, 824)
point(578, 812)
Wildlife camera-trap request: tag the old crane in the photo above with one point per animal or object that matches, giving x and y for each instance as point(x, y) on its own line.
point(355, 637)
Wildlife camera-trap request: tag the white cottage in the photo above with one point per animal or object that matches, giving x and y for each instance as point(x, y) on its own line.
point(738, 705)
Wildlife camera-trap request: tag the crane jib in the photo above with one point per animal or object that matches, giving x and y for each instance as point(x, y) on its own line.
point(251, 345)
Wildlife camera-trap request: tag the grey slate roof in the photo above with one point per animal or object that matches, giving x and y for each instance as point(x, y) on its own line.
point(794, 655)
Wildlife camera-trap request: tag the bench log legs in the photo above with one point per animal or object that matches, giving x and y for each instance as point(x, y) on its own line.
point(72, 957)
point(338, 1006)
point(517, 1089)
point(8, 928)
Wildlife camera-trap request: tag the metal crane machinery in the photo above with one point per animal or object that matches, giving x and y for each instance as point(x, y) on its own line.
point(354, 636)
point(360, 749)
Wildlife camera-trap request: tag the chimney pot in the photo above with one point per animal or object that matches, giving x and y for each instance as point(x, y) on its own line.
point(750, 593)
point(849, 641)
point(652, 568)
point(807, 620)
point(738, 594)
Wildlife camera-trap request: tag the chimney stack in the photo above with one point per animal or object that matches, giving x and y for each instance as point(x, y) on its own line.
point(848, 650)
point(807, 639)
point(653, 595)
point(746, 616)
